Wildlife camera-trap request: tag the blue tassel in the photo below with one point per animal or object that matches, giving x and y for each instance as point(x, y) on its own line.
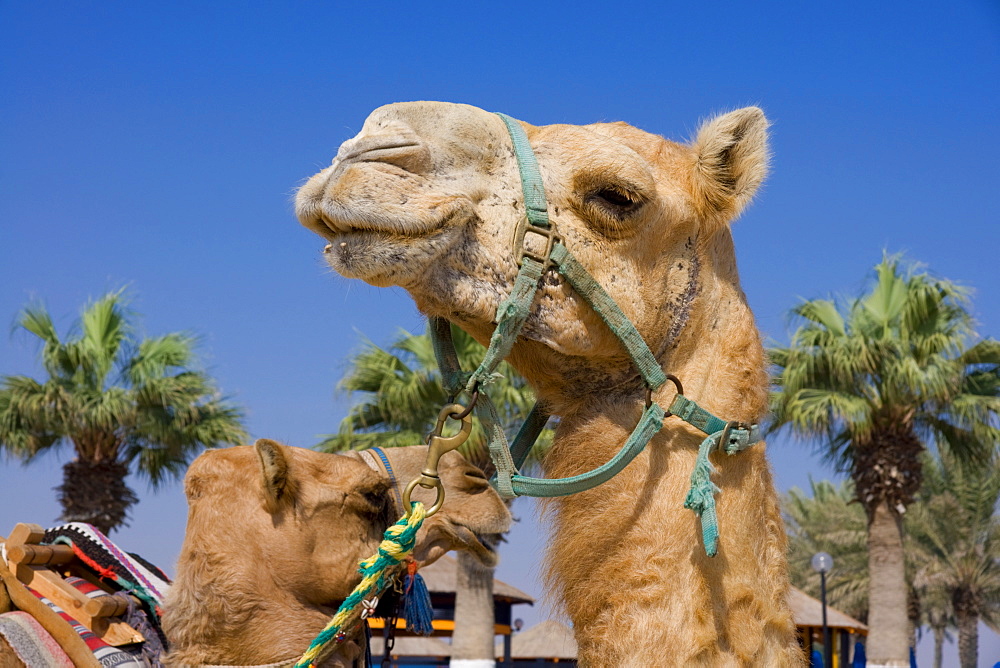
point(417, 608)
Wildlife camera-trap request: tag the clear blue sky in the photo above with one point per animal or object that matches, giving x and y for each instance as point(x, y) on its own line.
point(158, 145)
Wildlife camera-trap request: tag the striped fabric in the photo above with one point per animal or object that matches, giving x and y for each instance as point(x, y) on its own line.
point(123, 571)
point(127, 656)
point(110, 562)
point(90, 589)
point(31, 643)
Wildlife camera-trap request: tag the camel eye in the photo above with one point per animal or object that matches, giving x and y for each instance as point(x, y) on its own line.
point(614, 197)
point(374, 506)
point(612, 209)
point(615, 201)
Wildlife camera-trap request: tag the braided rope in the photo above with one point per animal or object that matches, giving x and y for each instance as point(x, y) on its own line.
point(397, 544)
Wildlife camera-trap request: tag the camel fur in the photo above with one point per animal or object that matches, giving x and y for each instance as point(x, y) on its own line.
point(275, 535)
point(428, 196)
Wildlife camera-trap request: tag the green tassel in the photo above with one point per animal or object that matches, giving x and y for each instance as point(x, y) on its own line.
point(701, 496)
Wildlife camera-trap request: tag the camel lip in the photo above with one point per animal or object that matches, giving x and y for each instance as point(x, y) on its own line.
point(482, 541)
point(340, 228)
point(479, 542)
point(343, 237)
point(375, 256)
point(341, 225)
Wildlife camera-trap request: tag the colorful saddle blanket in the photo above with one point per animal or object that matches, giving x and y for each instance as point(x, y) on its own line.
point(127, 656)
point(30, 642)
point(127, 571)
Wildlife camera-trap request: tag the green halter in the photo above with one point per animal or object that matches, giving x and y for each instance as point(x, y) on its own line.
point(510, 318)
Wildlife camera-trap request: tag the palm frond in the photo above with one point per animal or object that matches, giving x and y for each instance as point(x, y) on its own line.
point(822, 312)
point(986, 351)
point(156, 357)
point(398, 395)
point(105, 329)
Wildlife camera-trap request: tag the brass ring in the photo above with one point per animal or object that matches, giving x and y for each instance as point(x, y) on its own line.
point(472, 404)
point(680, 391)
point(438, 499)
point(677, 383)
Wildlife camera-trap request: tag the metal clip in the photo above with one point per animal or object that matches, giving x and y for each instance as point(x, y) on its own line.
point(437, 446)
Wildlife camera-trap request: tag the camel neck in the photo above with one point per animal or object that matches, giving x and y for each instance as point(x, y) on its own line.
point(722, 369)
point(237, 625)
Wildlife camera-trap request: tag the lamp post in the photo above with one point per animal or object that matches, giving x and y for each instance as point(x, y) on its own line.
point(822, 563)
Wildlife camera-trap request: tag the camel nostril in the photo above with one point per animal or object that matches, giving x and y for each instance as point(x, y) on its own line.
point(406, 153)
point(393, 142)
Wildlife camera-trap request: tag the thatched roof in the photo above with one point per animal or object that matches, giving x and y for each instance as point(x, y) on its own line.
point(440, 579)
point(547, 640)
point(808, 611)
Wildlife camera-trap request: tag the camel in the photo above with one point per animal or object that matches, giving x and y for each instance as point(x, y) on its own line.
point(275, 535)
point(428, 197)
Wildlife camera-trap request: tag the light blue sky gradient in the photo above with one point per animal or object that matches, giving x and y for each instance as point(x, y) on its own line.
point(159, 145)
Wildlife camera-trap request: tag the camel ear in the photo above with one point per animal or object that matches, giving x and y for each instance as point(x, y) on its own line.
point(731, 156)
point(278, 485)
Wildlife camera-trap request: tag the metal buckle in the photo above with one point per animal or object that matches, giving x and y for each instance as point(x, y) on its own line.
point(526, 227)
point(732, 424)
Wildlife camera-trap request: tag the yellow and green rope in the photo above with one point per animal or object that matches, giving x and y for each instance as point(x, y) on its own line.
point(378, 573)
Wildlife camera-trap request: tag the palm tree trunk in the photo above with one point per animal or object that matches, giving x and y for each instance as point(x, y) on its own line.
point(938, 646)
point(968, 629)
point(472, 641)
point(913, 616)
point(888, 623)
point(96, 493)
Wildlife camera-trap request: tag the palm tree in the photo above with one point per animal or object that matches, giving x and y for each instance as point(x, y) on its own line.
point(400, 397)
point(956, 536)
point(832, 521)
point(123, 403)
point(876, 378)
point(829, 521)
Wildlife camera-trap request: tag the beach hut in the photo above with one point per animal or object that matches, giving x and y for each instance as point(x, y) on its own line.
point(549, 644)
point(441, 577)
point(845, 631)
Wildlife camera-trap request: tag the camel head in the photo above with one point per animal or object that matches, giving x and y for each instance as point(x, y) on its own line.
point(275, 535)
point(428, 197)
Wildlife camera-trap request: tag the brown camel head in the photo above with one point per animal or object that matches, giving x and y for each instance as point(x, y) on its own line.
point(428, 197)
point(274, 538)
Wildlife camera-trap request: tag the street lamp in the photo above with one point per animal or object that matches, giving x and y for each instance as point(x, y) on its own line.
point(822, 563)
